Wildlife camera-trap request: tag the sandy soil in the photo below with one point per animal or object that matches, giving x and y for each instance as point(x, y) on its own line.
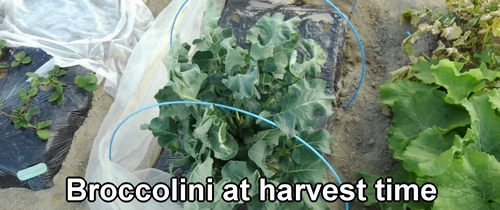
point(360, 131)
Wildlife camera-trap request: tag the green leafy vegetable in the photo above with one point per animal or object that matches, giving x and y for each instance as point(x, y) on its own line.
point(446, 108)
point(266, 80)
point(469, 183)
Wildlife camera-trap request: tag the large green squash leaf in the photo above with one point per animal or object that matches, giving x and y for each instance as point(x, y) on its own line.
point(486, 123)
point(431, 152)
point(471, 182)
point(459, 85)
point(400, 90)
point(425, 109)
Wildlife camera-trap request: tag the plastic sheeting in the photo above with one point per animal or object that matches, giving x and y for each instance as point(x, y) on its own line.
point(143, 76)
point(96, 34)
point(21, 148)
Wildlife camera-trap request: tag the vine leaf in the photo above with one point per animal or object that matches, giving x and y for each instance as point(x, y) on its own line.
point(400, 90)
point(426, 108)
point(431, 152)
point(459, 85)
point(485, 122)
point(475, 188)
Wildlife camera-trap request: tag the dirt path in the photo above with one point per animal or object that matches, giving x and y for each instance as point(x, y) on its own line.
point(360, 132)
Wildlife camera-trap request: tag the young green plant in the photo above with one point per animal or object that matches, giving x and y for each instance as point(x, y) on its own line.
point(268, 80)
point(21, 58)
point(22, 116)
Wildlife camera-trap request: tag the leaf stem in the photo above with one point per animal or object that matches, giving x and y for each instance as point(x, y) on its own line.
point(26, 107)
point(232, 127)
point(8, 115)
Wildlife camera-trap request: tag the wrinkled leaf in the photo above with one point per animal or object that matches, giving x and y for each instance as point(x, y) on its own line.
point(425, 109)
point(187, 83)
point(199, 174)
point(431, 152)
point(302, 105)
point(312, 67)
point(272, 32)
point(244, 84)
point(452, 32)
point(458, 85)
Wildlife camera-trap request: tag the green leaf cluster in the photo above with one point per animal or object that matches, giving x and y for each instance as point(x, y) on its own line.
point(445, 131)
point(464, 29)
point(88, 83)
point(446, 109)
point(267, 80)
point(21, 58)
point(22, 116)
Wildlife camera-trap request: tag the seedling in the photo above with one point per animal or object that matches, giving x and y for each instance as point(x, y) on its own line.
point(88, 83)
point(21, 58)
point(3, 44)
point(22, 116)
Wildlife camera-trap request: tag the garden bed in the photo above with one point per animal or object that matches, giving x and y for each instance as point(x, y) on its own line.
point(22, 148)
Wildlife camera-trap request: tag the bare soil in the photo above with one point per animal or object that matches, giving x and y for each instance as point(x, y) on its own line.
point(360, 131)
